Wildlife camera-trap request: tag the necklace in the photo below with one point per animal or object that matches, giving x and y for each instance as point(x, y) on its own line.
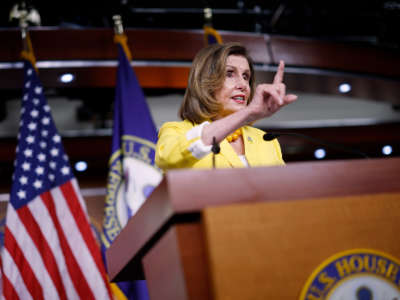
point(234, 136)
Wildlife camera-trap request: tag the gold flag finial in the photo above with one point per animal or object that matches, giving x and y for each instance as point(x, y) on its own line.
point(26, 16)
point(211, 36)
point(207, 16)
point(120, 37)
point(118, 28)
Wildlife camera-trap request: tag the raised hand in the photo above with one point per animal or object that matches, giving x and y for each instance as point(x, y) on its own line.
point(269, 98)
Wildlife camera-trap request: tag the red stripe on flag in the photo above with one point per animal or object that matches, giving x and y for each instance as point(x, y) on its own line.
point(74, 270)
point(8, 289)
point(81, 220)
point(44, 249)
point(31, 282)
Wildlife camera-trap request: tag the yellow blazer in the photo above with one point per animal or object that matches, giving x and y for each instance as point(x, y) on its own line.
point(176, 141)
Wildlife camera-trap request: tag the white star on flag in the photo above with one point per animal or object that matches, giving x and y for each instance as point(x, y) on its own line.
point(32, 126)
point(54, 152)
point(23, 180)
point(56, 138)
point(28, 152)
point(37, 184)
point(26, 166)
point(65, 170)
point(21, 194)
point(41, 157)
point(34, 113)
point(45, 121)
point(38, 90)
point(30, 139)
point(39, 170)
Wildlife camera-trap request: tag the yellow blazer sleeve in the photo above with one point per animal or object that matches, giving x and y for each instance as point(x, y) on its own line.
point(278, 152)
point(179, 145)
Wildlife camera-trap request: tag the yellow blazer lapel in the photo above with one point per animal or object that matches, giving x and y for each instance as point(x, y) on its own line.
point(230, 155)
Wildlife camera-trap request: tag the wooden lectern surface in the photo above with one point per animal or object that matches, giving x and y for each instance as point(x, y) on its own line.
point(290, 182)
point(295, 216)
point(268, 250)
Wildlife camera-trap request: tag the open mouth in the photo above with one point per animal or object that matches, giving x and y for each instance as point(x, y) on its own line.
point(239, 99)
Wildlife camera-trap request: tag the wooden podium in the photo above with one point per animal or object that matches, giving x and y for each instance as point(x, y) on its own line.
point(256, 233)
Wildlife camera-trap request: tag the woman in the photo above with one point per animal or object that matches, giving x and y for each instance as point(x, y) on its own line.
point(221, 102)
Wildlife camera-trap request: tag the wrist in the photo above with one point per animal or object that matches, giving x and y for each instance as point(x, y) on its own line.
point(250, 115)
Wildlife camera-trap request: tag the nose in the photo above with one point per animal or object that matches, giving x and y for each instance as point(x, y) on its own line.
point(242, 84)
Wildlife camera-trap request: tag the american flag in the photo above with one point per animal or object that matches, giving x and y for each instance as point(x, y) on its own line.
point(49, 248)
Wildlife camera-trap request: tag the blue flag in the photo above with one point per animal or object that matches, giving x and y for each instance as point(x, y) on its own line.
point(133, 174)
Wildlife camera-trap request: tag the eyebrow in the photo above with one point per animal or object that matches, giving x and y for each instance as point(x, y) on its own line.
point(246, 70)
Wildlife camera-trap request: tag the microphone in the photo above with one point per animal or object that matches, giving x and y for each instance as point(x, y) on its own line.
point(215, 148)
point(273, 135)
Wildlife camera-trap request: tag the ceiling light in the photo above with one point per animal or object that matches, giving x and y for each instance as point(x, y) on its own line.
point(67, 77)
point(320, 153)
point(387, 150)
point(344, 88)
point(81, 166)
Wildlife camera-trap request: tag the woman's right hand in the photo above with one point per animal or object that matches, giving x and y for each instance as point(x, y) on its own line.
point(269, 98)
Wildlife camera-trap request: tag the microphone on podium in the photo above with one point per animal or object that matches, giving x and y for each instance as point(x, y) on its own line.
point(273, 135)
point(215, 149)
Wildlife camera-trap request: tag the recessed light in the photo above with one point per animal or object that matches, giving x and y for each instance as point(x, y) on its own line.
point(320, 153)
point(344, 88)
point(81, 166)
point(387, 150)
point(67, 77)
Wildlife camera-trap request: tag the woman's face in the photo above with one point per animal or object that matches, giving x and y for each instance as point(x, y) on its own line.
point(235, 91)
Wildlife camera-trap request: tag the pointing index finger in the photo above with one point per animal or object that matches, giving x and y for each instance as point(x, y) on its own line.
point(279, 73)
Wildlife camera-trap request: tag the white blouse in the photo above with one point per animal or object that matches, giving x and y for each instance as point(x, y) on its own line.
point(244, 160)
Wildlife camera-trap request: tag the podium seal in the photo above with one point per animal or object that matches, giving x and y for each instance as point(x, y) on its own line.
point(359, 274)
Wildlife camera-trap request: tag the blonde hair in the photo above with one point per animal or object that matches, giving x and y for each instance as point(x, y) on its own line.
point(206, 76)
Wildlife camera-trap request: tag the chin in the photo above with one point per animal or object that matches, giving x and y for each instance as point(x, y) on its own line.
point(230, 111)
point(238, 106)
